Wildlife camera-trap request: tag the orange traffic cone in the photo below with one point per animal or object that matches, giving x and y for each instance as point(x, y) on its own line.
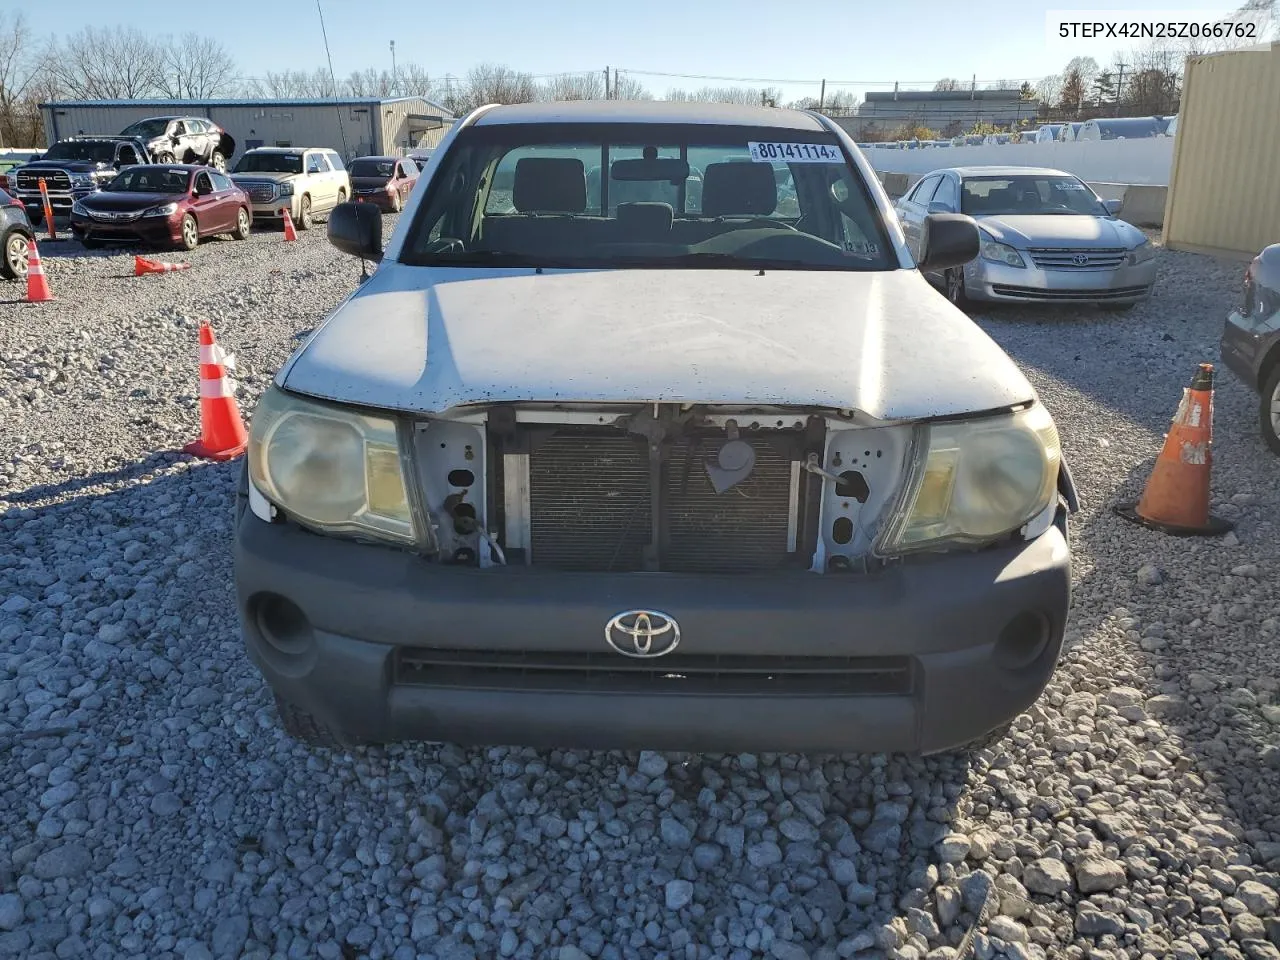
point(289, 232)
point(37, 285)
point(222, 433)
point(1176, 498)
point(141, 265)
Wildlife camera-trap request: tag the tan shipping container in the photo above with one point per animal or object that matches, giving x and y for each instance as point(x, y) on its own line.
point(1224, 190)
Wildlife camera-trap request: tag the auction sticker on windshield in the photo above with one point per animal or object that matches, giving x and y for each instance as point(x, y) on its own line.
point(794, 152)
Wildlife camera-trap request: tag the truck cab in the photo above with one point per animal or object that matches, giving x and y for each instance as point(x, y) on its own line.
point(72, 169)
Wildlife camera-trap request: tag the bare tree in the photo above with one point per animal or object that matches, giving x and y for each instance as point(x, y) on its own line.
point(495, 83)
point(1049, 89)
point(1086, 67)
point(97, 63)
point(947, 83)
point(24, 82)
point(194, 67)
point(840, 103)
point(750, 96)
point(574, 86)
point(629, 88)
point(412, 81)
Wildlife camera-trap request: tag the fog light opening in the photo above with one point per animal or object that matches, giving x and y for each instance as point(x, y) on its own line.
point(283, 624)
point(1022, 641)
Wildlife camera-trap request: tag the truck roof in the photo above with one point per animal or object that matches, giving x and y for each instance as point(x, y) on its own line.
point(649, 111)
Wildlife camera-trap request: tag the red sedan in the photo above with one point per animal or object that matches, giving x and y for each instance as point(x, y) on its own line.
point(164, 205)
point(385, 182)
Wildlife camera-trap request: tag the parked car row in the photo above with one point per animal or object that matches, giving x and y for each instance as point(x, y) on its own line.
point(112, 190)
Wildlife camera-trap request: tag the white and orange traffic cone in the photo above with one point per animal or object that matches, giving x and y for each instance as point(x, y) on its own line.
point(1176, 497)
point(222, 432)
point(37, 284)
point(141, 266)
point(289, 232)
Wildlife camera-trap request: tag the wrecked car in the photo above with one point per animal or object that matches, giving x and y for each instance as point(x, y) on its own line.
point(570, 472)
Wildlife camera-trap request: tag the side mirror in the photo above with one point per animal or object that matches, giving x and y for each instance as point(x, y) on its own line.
point(356, 229)
point(937, 206)
point(947, 240)
point(1113, 206)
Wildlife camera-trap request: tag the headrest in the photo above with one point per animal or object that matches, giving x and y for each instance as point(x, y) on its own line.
point(549, 185)
point(645, 219)
point(738, 187)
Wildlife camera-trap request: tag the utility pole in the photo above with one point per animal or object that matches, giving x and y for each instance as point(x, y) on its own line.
point(395, 84)
point(822, 95)
point(973, 87)
point(1119, 87)
point(606, 84)
point(448, 93)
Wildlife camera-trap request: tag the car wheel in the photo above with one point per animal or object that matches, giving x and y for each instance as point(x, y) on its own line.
point(243, 223)
point(342, 196)
point(218, 161)
point(1269, 409)
point(89, 243)
point(190, 233)
point(302, 726)
point(395, 202)
point(955, 287)
point(304, 213)
point(164, 158)
point(1117, 307)
point(17, 248)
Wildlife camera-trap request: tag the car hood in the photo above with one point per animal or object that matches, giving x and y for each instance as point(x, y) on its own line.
point(425, 339)
point(1053, 230)
point(251, 177)
point(109, 200)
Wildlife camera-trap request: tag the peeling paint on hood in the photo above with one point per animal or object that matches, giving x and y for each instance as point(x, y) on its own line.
point(425, 339)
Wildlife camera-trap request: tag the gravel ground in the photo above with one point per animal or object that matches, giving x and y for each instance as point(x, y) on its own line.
point(151, 808)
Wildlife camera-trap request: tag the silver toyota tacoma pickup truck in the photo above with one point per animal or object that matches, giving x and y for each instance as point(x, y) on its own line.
point(711, 470)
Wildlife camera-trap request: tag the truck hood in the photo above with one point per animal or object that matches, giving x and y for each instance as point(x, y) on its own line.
point(1052, 230)
point(71, 166)
point(425, 339)
point(259, 177)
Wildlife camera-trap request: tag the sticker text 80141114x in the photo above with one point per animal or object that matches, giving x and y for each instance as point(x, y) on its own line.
point(794, 152)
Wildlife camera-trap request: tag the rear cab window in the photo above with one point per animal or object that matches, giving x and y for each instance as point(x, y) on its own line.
point(646, 194)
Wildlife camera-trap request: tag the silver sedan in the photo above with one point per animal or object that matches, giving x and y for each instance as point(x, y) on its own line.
point(1046, 238)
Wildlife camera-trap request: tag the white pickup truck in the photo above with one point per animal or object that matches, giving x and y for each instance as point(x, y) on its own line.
point(303, 180)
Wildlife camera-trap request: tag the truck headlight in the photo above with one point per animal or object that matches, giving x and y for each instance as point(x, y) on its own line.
point(284, 189)
point(998, 252)
point(333, 469)
point(82, 180)
point(976, 481)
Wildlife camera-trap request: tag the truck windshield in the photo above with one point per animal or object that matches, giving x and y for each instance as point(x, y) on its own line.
point(648, 195)
point(269, 163)
point(146, 129)
point(94, 151)
point(149, 179)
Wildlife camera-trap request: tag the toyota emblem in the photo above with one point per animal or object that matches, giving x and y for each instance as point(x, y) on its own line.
point(642, 633)
point(1080, 260)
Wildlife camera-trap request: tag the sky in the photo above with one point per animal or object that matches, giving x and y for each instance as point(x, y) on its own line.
point(874, 45)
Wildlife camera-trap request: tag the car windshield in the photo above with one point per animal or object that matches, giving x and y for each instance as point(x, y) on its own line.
point(96, 151)
point(151, 180)
point(146, 128)
point(372, 168)
point(270, 163)
point(675, 195)
point(1028, 195)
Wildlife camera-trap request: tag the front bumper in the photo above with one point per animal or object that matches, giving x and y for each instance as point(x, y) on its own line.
point(274, 209)
point(156, 230)
point(1245, 340)
point(379, 198)
point(967, 641)
point(999, 282)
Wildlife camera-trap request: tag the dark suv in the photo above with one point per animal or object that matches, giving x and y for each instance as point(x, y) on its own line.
point(1251, 340)
point(15, 238)
point(74, 168)
point(184, 140)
